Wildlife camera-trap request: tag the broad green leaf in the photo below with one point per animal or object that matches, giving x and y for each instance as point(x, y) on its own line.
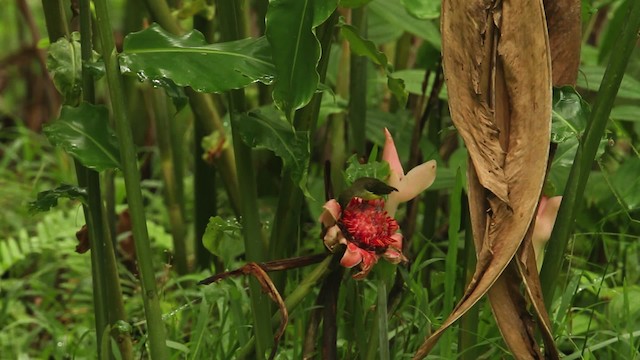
point(223, 239)
point(65, 66)
point(187, 60)
point(296, 50)
point(569, 115)
point(374, 169)
point(626, 113)
point(396, 15)
point(49, 198)
point(380, 31)
point(260, 131)
point(423, 9)
point(364, 47)
point(84, 133)
point(627, 183)
point(590, 78)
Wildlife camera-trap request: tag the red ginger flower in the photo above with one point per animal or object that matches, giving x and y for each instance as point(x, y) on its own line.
point(367, 231)
point(367, 226)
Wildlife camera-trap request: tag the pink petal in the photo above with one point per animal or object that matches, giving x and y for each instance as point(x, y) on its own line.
point(331, 213)
point(352, 256)
point(394, 256)
point(396, 240)
point(368, 260)
point(390, 155)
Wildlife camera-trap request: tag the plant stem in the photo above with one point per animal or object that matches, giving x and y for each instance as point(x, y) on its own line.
point(468, 334)
point(173, 200)
point(286, 221)
point(231, 18)
point(153, 313)
point(358, 87)
point(587, 148)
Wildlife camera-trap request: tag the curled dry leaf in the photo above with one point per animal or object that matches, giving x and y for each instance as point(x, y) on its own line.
point(497, 67)
point(565, 38)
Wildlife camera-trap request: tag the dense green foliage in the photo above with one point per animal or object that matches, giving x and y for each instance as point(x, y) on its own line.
point(289, 112)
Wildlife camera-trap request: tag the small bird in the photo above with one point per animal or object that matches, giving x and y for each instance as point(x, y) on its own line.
point(366, 188)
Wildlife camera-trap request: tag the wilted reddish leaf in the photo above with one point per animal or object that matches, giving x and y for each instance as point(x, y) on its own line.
point(83, 240)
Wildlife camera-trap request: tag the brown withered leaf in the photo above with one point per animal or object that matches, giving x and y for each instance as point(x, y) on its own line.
point(565, 38)
point(498, 72)
point(83, 240)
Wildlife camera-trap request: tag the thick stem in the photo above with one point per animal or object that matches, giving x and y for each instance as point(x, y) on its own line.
point(231, 18)
point(153, 313)
point(587, 148)
point(173, 200)
point(358, 87)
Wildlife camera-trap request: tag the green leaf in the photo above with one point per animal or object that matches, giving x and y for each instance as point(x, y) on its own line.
point(223, 239)
point(423, 9)
point(374, 169)
point(353, 3)
point(569, 115)
point(364, 47)
point(260, 131)
point(627, 183)
point(187, 60)
point(65, 66)
point(626, 113)
point(49, 198)
point(296, 50)
point(84, 133)
point(396, 15)
point(590, 78)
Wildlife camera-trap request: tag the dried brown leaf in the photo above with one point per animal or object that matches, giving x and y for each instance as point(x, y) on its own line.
point(497, 67)
point(565, 38)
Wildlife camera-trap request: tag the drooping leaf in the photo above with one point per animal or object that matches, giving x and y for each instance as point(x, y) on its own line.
point(396, 15)
point(296, 50)
point(65, 66)
point(49, 198)
point(187, 60)
point(502, 111)
point(223, 239)
point(84, 133)
point(423, 9)
point(260, 131)
point(364, 47)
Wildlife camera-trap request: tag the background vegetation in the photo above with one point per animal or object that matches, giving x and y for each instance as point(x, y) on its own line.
point(215, 190)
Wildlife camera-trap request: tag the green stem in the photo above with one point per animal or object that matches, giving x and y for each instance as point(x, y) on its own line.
point(55, 19)
point(468, 335)
point(153, 313)
point(358, 87)
point(231, 17)
point(286, 221)
point(173, 200)
point(586, 152)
